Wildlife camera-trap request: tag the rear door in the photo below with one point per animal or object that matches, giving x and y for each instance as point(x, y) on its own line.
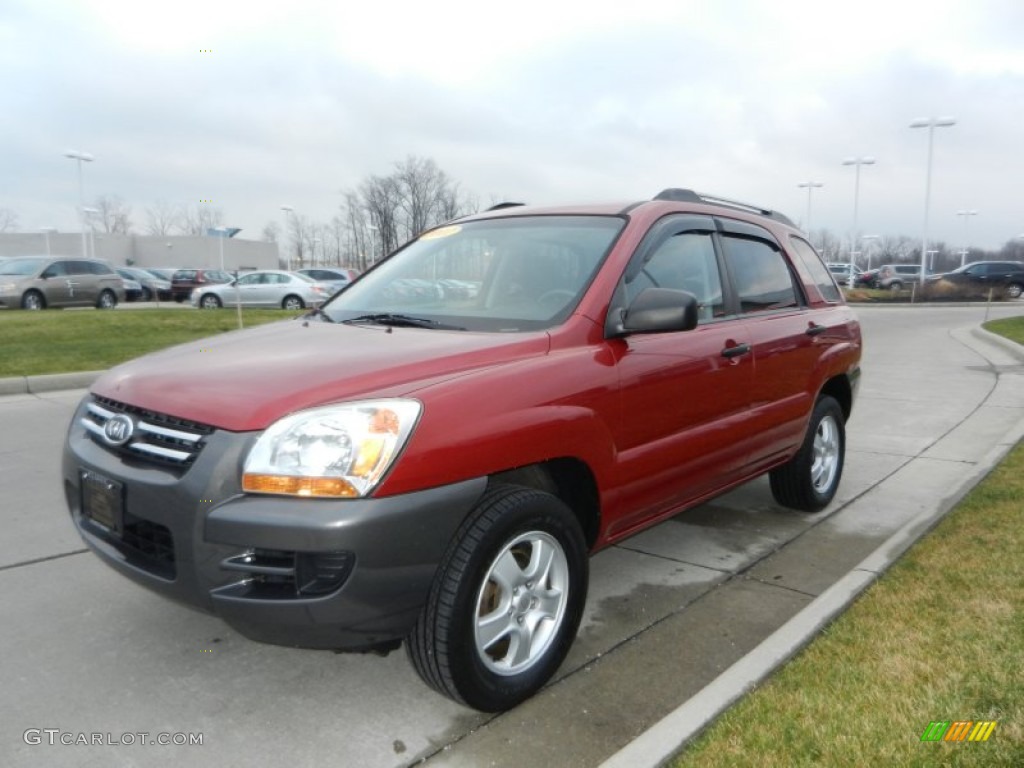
point(782, 335)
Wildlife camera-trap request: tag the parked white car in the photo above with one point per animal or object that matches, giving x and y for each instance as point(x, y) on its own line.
point(266, 288)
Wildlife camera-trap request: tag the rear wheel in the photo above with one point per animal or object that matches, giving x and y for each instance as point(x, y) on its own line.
point(1014, 290)
point(107, 300)
point(506, 602)
point(809, 480)
point(292, 302)
point(33, 300)
point(896, 286)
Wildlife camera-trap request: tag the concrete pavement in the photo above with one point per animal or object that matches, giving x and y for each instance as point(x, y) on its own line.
point(686, 615)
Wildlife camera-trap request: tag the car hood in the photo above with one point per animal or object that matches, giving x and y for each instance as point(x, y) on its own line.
point(245, 380)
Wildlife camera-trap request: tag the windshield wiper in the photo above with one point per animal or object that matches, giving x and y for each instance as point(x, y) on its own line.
point(404, 321)
point(317, 312)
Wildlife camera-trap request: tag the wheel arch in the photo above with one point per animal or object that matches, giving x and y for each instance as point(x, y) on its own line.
point(570, 480)
point(840, 388)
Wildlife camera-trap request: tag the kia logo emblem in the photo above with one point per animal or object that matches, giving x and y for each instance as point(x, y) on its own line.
point(118, 430)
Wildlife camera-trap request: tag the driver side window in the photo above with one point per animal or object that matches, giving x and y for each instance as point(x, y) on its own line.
point(684, 262)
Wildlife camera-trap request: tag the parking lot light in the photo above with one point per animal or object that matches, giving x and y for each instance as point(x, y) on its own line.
point(81, 157)
point(931, 123)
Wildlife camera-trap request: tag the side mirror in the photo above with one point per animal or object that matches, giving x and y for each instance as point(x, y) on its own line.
point(658, 310)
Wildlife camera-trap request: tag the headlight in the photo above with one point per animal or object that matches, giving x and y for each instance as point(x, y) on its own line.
point(339, 451)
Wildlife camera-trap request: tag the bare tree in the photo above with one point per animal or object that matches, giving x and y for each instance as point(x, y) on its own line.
point(114, 215)
point(162, 218)
point(197, 219)
point(271, 231)
point(8, 220)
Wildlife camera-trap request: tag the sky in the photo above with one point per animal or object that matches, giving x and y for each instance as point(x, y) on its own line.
point(254, 105)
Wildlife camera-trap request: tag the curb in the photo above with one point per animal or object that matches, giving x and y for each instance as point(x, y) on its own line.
point(667, 738)
point(52, 382)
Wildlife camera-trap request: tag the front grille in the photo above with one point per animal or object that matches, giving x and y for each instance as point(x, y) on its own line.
point(155, 437)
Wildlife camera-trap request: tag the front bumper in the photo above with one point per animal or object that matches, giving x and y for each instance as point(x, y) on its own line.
point(317, 573)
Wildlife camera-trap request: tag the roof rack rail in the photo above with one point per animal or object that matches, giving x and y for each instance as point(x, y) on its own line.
point(499, 206)
point(689, 196)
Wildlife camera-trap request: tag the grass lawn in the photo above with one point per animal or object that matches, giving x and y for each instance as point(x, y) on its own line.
point(1010, 327)
point(63, 341)
point(940, 637)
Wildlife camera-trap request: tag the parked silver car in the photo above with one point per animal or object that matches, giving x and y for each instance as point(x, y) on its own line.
point(38, 282)
point(896, 277)
point(266, 288)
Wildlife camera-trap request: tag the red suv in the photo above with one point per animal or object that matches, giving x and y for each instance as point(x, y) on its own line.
point(183, 281)
point(435, 466)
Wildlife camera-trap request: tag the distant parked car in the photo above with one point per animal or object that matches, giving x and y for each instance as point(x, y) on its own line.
point(163, 273)
point(38, 282)
point(267, 288)
point(152, 286)
point(896, 277)
point(132, 288)
point(184, 280)
point(842, 272)
point(337, 278)
point(866, 278)
point(1005, 279)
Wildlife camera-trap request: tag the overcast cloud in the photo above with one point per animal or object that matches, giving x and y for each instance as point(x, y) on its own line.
point(535, 101)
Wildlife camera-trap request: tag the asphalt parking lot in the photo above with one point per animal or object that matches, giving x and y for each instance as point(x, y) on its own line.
point(84, 651)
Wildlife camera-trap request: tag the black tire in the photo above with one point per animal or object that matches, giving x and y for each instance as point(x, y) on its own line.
point(210, 301)
point(291, 301)
point(107, 300)
point(809, 480)
point(509, 525)
point(33, 300)
point(896, 286)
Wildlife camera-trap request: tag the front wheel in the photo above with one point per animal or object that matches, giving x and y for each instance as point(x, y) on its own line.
point(809, 480)
point(209, 301)
point(506, 603)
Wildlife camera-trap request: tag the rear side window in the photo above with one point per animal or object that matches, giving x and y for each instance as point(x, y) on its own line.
point(819, 273)
point(760, 275)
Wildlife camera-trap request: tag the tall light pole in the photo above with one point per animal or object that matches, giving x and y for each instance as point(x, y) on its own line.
point(288, 261)
point(856, 163)
point(966, 215)
point(867, 246)
point(91, 213)
point(810, 186)
point(931, 123)
point(46, 233)
point(81, 157)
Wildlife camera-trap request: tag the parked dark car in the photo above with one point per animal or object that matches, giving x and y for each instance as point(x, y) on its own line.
point(185, 281)
point(1004, 279)
point(866, 278)
point(132, 287)
point(153, 287)
point(410, 463)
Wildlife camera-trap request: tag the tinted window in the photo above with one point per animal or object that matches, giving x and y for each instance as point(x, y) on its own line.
point(250, 280)
point(98, 268)
point(760, 275)
point(57, 269)
point(821, 276)
point(185, 274)
point(684, 262)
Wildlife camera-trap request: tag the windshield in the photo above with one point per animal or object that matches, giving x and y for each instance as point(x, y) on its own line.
point(499, 275)
point(20, 266)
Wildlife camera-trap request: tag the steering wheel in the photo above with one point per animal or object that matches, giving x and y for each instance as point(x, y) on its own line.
point(546, 298)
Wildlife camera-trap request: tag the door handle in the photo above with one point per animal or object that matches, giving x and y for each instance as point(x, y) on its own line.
point(735, 350)
point(814, 329)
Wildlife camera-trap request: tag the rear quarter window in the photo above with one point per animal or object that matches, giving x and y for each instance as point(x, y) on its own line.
point(822, 277)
